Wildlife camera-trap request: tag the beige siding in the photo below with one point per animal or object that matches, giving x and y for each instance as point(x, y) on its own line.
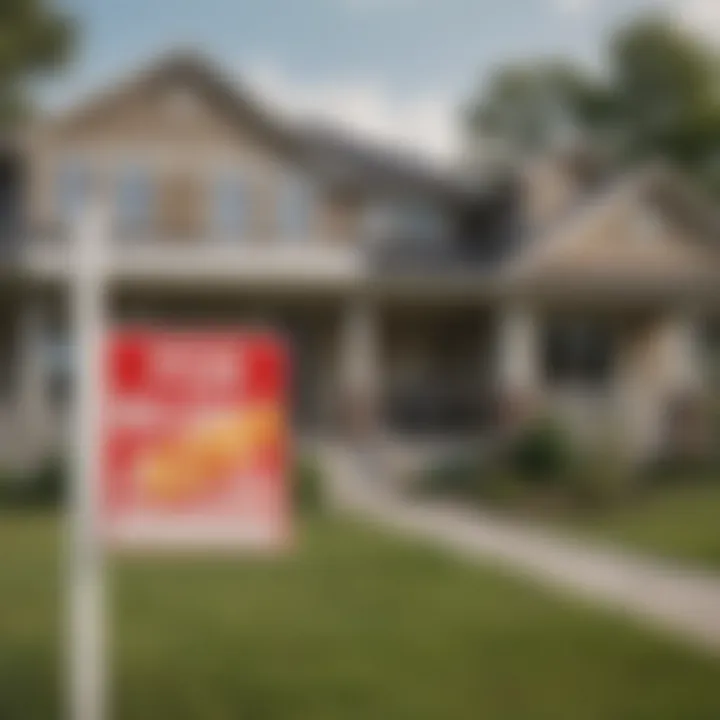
point(550, 188)
point(184, 139)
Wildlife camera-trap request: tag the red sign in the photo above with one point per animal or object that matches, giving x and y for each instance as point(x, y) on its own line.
point(195, 450)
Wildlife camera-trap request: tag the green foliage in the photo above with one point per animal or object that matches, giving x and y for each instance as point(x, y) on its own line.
point(453, 475)
point(49, 483)
point(309, 485)
point(664, 82)
point(601, 482)
point(540, 471)
point(659, 99)
point(527, 107)
point(542, 451)
point(43, 487)
point(35, 37)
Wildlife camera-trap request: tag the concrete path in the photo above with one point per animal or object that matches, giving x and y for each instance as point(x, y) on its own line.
point(680, 600)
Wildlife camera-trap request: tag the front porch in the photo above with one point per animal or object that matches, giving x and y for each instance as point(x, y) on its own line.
point(409, 368)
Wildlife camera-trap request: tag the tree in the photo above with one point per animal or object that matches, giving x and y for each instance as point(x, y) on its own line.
point(661, 97)
point(529, 107)
point(34, 38)
point(666, 86)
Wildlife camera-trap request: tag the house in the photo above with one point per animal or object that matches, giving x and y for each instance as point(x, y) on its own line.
point(419, 301)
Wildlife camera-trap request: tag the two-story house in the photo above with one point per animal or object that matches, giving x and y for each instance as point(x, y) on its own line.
point(423, 302)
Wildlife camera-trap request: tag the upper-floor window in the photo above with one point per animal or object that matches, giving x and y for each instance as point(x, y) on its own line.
point(296, 207)
point(72, 189)
point(378, 221)
point(229, 206)
point(135, 203)
point(404, 220)
point(423, 221)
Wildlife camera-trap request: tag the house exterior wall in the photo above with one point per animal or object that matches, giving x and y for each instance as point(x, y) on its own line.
point(357, 339)
point(184, 142)
point(550, 188)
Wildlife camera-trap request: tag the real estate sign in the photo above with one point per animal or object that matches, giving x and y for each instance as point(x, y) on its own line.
point(195, 440)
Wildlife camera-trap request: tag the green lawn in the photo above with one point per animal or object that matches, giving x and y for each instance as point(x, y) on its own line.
point(353, 625)
point(681, 522)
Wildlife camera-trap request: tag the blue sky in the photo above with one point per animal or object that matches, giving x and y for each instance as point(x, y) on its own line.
point(385, 67)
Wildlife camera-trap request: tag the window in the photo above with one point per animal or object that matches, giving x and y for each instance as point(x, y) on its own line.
point(578, 352)
point(72, 189)
point(296, 205)
point(378, 221)
point(58, 356)
point(424, 222)
point(228, 206)
point(135, 201)
point(405, 220)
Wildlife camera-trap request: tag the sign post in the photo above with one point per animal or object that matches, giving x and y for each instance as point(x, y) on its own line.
point(87, 657)
point(180, 443)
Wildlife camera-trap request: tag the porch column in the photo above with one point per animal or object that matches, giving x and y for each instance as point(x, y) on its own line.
point(31, 376)
point(359, 383)
point(663, 375)
point(517, 362)
point(680, 356)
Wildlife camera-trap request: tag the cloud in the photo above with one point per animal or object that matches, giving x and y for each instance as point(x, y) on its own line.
point(378, 4)
point(703, 16)
point(423, 123)
point(574, 7)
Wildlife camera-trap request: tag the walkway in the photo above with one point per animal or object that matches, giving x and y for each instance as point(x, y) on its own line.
point(680, 600)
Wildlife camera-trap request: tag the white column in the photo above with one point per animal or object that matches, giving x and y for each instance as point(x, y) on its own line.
point(359, 348)
point(662, 363)
point(359, 379)
point(518, 371)
point(680, 355)
point(32, 381)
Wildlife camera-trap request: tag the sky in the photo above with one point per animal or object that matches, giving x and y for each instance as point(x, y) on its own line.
point(392, 70)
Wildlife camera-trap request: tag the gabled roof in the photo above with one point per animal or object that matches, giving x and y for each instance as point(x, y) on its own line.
point(337, 156)
point(600, 241)
point(194, 70)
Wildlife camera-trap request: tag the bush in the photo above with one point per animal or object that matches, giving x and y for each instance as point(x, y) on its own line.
point(48, 486)
point(454, 475)
point(42, 487)
point(309, 485)
point(600, 483)
point(473, 478)
point(541, 451)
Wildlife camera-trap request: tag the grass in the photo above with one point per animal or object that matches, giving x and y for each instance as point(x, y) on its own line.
point(353, 625)
point(678, 521)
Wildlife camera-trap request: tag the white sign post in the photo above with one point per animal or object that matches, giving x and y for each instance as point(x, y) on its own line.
point(86, 598)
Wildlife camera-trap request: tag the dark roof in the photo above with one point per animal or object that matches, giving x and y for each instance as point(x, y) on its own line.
point(349, 160)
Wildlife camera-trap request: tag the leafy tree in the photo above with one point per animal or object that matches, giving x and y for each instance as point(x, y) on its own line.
point(661, 97)
point(666, 86)
point(35, 37)
point(529, 107)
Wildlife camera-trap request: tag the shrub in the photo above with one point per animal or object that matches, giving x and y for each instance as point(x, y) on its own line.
point(600, 483)
point(474, 477)
point(48, 486)
point(42, 487)
point(309, 485)
point(453, 475)
point(541, 451)
point(8, 488)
